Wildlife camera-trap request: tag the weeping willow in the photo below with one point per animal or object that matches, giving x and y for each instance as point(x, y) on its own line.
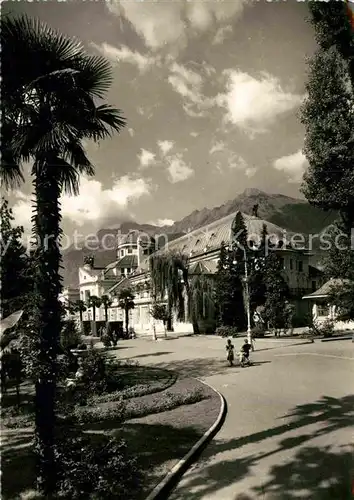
point(170, 279)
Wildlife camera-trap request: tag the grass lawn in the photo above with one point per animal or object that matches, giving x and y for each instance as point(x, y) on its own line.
point(167, 424)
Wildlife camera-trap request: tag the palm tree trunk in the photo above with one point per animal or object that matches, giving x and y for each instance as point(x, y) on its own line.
point(81, 322)
point(127, 321)
point(47, 315)
point(93, 328)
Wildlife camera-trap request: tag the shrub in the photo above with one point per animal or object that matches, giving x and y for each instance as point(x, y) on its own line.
point(95, 469)
point(226, 331)
point(70, 336)
point(207, 326)
point(113, 411)
point(99, 372)
point(325, 329)
point(258, 331)
point(107, 342)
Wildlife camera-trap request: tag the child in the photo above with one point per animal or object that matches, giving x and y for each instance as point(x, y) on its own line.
point(245, 350)
point(230, 352)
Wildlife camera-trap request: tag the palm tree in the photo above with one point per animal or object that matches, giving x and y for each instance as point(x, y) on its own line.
point(106, 302)
point(94, 302)
point(52, 95)
point(126, 302)
point(80, 307)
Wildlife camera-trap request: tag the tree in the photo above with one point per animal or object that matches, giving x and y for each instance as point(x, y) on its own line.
point(172, 281)
point(332, 24)
point(15, 269)
point(159, 313)
point(229, 280)
point(80, 307)
point(94, 302)
point(328, 116)
point(277, 293)
point(228, 290)
point(48, 109)
point(106, 302)
point(126, 302)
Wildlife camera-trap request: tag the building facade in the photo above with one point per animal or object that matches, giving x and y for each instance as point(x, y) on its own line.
point(202, 246)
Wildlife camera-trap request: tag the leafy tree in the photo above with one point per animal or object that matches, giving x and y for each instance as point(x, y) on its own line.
point(229, 290)
point(15, 266)
point(328, 114)
point(333, 28)
point(50, 94)
point(172, 281)
point(126, 302)
point(106, 302)
point(159, 313)
point(257, 268)
point(277, 293)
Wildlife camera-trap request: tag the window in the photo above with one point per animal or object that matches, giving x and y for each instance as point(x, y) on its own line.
point(301, 266)
point(87, 295)
point(128, 270)
point(197, 243)
point(313, 286)
point(322, 310)
point(291, 264)
point(282, 262)
point(130, 250)
point(122, 253)
point(122, 271)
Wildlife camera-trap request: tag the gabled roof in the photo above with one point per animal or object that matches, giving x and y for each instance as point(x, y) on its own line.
point(203, 267)
point(123, 283)
point(325, 289)
point(210, 237)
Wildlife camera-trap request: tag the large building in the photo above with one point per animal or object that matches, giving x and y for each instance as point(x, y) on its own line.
point(202, 246)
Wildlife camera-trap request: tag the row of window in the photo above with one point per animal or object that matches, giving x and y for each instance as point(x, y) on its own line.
point(129, 250)
point(299, 267)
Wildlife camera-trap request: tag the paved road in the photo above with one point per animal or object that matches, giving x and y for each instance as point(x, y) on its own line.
point(289, 424)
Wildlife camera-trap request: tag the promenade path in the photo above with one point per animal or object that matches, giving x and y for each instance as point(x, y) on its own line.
point(289, 429)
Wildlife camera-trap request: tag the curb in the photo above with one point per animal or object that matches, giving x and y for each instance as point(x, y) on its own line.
point(333, 339)
point(165, 487)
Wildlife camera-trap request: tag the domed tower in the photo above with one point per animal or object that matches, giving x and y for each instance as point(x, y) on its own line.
point(146, 246)
point(127, 252)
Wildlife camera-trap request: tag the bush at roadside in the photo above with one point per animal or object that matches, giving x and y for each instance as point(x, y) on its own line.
point(226, 331)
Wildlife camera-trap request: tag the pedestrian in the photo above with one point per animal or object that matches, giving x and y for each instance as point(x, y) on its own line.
point(230, 352)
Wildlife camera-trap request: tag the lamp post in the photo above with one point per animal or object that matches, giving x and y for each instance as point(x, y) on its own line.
point(247, 294)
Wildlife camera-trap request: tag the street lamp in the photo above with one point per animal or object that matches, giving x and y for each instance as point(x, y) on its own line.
point(247, 294)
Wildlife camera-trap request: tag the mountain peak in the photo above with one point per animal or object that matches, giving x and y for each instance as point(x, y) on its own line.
point(253, 192)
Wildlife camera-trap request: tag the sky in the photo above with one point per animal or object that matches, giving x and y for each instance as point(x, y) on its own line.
point(211, 93)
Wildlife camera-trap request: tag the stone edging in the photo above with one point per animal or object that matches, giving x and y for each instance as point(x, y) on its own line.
point(164, 488)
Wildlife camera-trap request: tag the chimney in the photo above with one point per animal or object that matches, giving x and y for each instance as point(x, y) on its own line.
point(255, 210)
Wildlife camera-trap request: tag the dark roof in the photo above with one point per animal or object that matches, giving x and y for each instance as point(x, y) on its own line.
point(126, 261)
point(315, 272)
point(123, 283)
point(325, 289)
point(203, 267)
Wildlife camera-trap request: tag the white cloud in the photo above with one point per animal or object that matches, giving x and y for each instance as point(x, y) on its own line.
point(194, 134)
point(131, 132)
point(146, 158)
point(125, 55)
point(94, 203)
point(251, 171)
point(189, 84)
point(162, 222)
point(172, 23)
point(293, 165)
point(237, 162)
point(178, 170)
point(221, 34)
point(253, 104)
point(217, 147)
point(165, 146)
